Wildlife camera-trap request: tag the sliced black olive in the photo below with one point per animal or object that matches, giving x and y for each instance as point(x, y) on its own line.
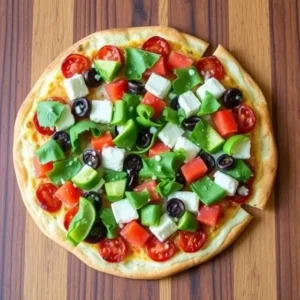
point(96, 199)
point(225, 162)
point(136, 87)
point(208, 160)
point(144, 138)
point(175, 104)
point(92, 78)
point(133, 162)
point(63, 139)
point(180, 178)
point(81, 107)
point(190, 123)
point(91, 158)
point(232, 98)
point(175, 208)
point(132, 181)
point(97, 233)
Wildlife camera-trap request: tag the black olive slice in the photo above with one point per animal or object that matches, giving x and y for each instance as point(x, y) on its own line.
point(225, 162)
point(190, 123)
point(63, 139)
point(175, 104)
point(132, 181)
point(144, 138)
point(91, 158)
point(208, 160)
point(96, 199)
point(136, 87)
point(92, 78)
point(133, 162)
point(180, 178)
point(81, 107)
point(97, 233)
point(175, 208)
point(232, 98)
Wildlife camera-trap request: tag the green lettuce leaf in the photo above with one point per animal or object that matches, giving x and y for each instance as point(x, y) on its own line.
point(110, 223)
point(48, 112)
point(50, 151)
point(145, 113)
point(167, 187)
point(132, 102)
point(209, 105)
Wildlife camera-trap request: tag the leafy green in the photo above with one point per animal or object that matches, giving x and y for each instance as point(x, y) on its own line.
point(165, 167)
point(48, 112)
point(144, 150)
point(145, 113)
point(187, 78)
point(64, 170)
point(132, 102)
point(171, 115)
point(110, 175)
point(181, 115)
point(167, 187)
point(110, 223)
point(209, 105)
point(50, 151)
point(137, 62)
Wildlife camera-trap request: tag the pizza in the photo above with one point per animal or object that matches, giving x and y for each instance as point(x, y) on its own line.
point(138, 154)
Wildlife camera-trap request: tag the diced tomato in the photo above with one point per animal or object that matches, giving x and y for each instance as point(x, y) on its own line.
point(177, 61)
point(105, 140)
point(75, 64)
point(225, 122)
point(46, 198)
point(111, 53)
point(160, 68)
point(157, 104)
point(115, 90)
point(245, 118)
point(150, 187)
point(135, 234)
point(157, 44)
point(210, 67)
point(158, 148)
point(41, 170)
point(40, 129)
point(113, 250)
point(70, 215)
point(210, 215)
point(160, 251)
point(191, 241)
point(194, 169)
point(68, 194)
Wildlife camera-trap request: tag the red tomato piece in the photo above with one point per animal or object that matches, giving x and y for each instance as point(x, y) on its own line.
point(178, 61)
point(194, 169)
point(157, 44)
point(243, 199)
point(111, 53)
point(160, 68)
point(40, 129)
point(116, 89)
point(210, 67)
point(41, 170)
point(157, 104)
point(150, 187)
point(46, 197)
point(160, 251)
point(75, 64)
point(135, 234)
point(113, 250)
point(225, 122)
point(158, 148)
point(105, 140)
point(191, 241)
point(70, 215)
point(210, 215)
point(68, 194)
point(245, 118)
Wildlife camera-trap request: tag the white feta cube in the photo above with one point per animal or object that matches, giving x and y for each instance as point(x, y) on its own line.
point(213, 86)
point(190, 200)
point(66, 119)
point(226, 182)
point(124, 212)
point(158, 86)
point(101, 111)
point(188, 147)
point(243, 191)
point(169, 134)
point(242, 149)
point(189, 103)
point(165, 228)
point(113, 158)
point(76, 87)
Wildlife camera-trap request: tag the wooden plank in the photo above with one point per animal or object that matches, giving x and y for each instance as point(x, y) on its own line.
point(45, 261)
point(254, 260)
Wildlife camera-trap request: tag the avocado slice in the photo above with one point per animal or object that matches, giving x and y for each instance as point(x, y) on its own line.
point(138, 199)
point(188, 222)
point(87, 178)
point(107, 69)
point(150, 215)
point(115, 190)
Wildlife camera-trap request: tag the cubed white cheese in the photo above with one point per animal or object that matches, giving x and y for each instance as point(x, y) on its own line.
point(124, 212)
point(226, 182)
point(169, 134)
point(213, 86)
point(66, 119)
point(242, 149)
point(158, 86)
point(189, 103)
point(102, 111)
point(76, 87)
point(113, 158)
point(190, 200)
point(189, 148)
point(165, 228)
point(243, 191)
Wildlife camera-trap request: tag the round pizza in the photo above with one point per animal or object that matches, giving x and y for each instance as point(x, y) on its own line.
point(137, 153)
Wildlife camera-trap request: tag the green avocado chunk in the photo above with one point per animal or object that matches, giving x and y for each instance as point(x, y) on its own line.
point(209, 105)
point(120, 113)
point(241, 172)
point(115, 190)
point(138, 199)
point(87, 178)
point(107, 69)
point(188, 222)
point(127, 138)
point(208, 191)
point(150, 215)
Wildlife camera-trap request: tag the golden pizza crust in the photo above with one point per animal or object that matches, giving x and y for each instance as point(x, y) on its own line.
point(52, 225)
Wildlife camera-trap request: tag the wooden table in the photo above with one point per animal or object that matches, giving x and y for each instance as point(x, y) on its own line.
point(264, 36)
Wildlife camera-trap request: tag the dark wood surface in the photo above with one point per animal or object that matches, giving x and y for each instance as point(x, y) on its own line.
point(264, 36)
